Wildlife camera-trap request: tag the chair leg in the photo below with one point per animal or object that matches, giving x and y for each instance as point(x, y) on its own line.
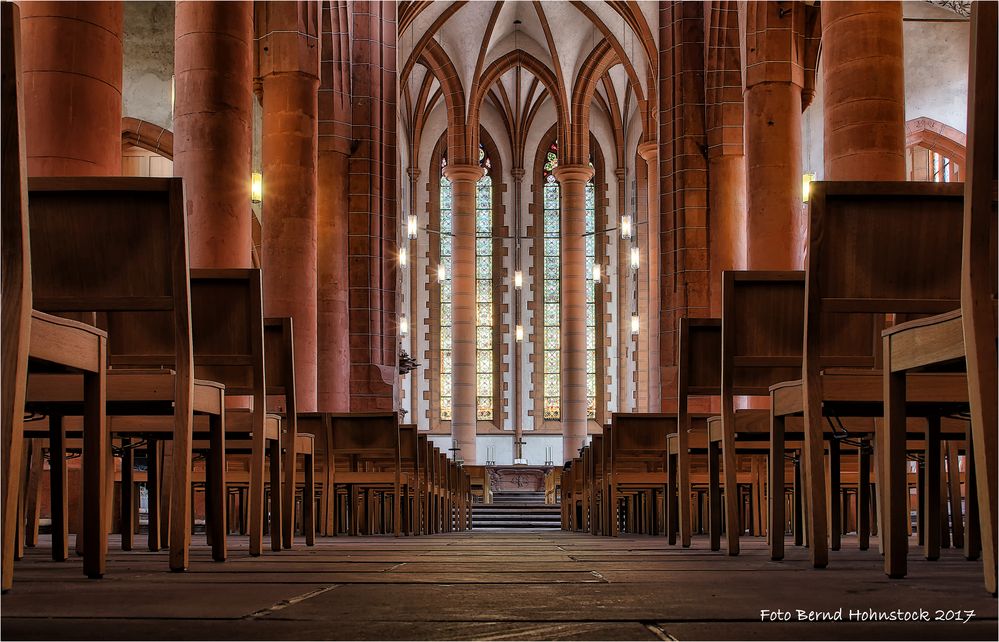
point(835, 490)
point(864, 496)
point(954, 494)
point(59, 489)
point(127, 489)
point(96, 473)
point(777, 482)
point(309, 502)
point(215, 488)
point(895, 492)
point(714, 497)
point(34, 505)
point(931, 494)
point(276, 517)
point(154, 452)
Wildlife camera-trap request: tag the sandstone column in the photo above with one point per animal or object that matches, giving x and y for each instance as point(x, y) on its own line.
point(72, 55)
point(773, 175)
point(332, 311)
point(213, 131)
point(289, 68)
point(463, 373)
point(333, 319)
point(572, 180)
point(864, 74)
point(772, 98)
point(649, 331)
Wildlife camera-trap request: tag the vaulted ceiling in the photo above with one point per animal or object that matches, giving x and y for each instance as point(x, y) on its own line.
point(515, 57)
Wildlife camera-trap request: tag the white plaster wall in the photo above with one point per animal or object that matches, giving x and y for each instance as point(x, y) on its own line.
point(534, 449)
point(148, 62)
point(498, 448)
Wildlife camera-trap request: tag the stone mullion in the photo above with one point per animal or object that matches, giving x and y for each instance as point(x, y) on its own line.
point(572, 180)
point(463, 352)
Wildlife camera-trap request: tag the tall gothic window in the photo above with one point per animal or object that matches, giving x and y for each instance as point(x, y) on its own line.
point(483, 291)
point(552, 289)
point(590, 241)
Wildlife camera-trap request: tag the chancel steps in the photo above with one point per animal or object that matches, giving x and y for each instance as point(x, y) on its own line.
point(516, 510)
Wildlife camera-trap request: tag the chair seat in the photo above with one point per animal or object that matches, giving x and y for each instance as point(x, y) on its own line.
point(65, 342)
point(867, 387)
point(133, 392)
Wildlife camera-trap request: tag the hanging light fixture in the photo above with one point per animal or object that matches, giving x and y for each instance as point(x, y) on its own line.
point(256, 187)
point(411, 227)
point(634, 324)
point(518, 279)
point(440, 273)
point(626, 226)
point(403, 256)
point(806, 186)
point(519, 333)
point(636, 258)
point(403, 326)
point(596, 273)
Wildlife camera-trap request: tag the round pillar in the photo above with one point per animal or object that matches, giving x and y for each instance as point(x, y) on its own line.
point(572, 181)
point(463, 389)
point(213, 116)
point(72, 72)
point(290, 159)
point(333, 319)
point(649, 334)
point(863, 72)
point(727, 194)
point(774, 217)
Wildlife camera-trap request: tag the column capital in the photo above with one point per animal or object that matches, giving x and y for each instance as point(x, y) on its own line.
point(518, 173)
point(620, 173)
point(470, 173)
point(649, 151)
point(414, 172)
point(573, 173)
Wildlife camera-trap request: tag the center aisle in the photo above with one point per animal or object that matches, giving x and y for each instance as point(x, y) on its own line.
point(528, 585)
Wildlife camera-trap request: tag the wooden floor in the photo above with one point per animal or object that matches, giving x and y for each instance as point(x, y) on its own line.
point(533, 585)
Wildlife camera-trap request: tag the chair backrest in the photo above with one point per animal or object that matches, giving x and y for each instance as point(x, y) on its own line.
point(762, 329)
point(114, 245)
point(365, 436)
point(699, 353)
point(279, 359)
point(640, 437)
point(883, 247)
point(15, 301)
point(409, 451)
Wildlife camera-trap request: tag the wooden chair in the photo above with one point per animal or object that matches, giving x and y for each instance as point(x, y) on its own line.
point(120, 245)
point(965, 335)
point(357, 437)
point(280, 376)
point(698, 374)
point(857, 272)
point(33, 340)
point(638, 453)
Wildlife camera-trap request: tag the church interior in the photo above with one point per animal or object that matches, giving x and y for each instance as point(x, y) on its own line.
point(499, 319)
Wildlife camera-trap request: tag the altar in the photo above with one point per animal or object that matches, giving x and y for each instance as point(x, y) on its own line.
point(517, 478)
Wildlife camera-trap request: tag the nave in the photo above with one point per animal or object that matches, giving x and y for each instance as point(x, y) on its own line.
point(469, 586)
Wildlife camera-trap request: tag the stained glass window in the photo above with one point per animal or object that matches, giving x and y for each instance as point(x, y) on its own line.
point(483, 291)
point(590, 243)
point(551, 287)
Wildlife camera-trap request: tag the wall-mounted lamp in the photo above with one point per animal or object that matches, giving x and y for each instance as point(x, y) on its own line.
point(518, 279)
point(806, 186)
point(636, 258)
point(411, 227)
point(440, 273)
point(519, 332)
point(596, 273)
point(626, 226)
point(403, 256)
point(403, 326)
point(256, 187)
point(634, 324)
